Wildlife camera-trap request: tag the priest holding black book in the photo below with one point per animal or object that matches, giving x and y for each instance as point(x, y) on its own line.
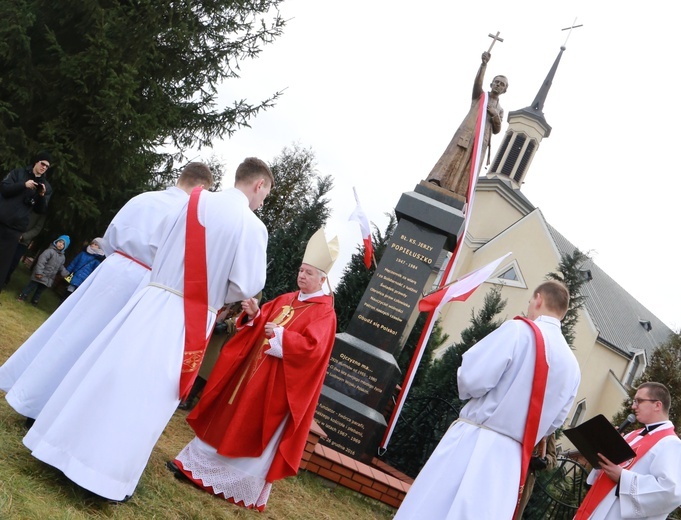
point(649, 485)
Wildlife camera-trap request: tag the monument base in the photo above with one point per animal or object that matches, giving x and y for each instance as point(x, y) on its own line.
point(351, 427)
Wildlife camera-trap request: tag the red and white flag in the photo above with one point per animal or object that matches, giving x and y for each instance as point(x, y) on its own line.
point(455, 291)
point(360, 217)
point(461, 289)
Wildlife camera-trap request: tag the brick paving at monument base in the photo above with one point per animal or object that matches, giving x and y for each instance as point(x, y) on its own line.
point(378, 481)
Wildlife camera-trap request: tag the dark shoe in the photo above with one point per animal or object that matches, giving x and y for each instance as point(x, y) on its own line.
point(116, 502)
point(35, 304)
point(21, 298)
point(177, 472)
point(28, 423)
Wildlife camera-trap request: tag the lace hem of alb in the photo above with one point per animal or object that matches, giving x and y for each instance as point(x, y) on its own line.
point(233, 483)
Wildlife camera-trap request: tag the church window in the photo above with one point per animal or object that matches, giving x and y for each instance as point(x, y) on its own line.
point(527, 156)
point(513, 154)
point(509, 275)
point(646, 325)
point(580, 412)
point(502, 151)
point(635, 369)
point(586, 275)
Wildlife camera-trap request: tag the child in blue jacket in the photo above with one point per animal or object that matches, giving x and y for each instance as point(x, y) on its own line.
point(84, 263)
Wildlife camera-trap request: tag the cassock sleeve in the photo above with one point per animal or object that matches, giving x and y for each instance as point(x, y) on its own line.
point(658, 491)
point(485, 362)
point(247, 276)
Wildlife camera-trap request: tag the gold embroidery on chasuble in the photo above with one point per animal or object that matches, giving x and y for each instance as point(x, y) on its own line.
point(192, 360)
point(256, 357)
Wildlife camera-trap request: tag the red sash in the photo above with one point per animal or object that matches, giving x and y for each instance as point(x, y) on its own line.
point(126, 255)
point(541, 372)
point(603, 484)
point(195, 295)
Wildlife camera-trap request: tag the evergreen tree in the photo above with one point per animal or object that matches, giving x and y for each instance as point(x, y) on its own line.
point(437, 339)
point(296, 208)
point(105, 85)
point(664, 367)
point(573, 277)
point(434, 403)
point(355, 278)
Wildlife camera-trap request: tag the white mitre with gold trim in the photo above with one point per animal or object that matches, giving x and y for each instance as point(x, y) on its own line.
point(319, 253)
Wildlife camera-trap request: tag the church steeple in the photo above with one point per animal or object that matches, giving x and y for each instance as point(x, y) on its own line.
point(526, 129)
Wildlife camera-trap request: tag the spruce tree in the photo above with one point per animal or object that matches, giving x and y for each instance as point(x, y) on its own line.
point(296, 208)
point(570, 273)
point(117, 91)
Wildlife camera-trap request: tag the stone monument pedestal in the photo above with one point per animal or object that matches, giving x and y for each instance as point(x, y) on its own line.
point(362, 373)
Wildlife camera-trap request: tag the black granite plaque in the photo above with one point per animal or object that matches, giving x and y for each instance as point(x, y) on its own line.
point(352, 428)
point(362, 371)
point(397, 285)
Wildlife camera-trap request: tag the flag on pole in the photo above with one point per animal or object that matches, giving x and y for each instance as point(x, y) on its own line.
point(448, 273)
point(459, 290)
point(360, 217)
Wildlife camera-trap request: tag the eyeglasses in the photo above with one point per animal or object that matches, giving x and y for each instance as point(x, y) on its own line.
point(44, 164)
point(639, 401)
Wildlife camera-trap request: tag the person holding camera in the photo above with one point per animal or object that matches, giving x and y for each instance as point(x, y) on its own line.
point(22, 190)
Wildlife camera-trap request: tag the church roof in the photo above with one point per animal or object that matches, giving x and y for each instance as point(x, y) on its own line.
point(623, 323)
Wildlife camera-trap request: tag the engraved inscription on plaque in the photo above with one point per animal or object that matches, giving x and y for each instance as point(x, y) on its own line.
point(395, 289)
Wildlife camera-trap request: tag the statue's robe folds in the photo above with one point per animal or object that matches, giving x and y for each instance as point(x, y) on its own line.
point(453, 169)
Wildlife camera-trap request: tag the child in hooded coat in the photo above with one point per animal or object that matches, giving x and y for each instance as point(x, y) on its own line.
point(50, 262)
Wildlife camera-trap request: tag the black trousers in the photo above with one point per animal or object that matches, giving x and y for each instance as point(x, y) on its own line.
point(9, 240)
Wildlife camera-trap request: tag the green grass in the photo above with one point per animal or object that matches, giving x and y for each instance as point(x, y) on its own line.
point(31, 490)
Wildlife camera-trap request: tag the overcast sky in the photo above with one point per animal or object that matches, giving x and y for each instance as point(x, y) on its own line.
point(376, 89)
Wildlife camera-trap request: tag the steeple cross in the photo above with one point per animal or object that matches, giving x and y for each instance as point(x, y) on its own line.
point(573, 26)
point(495, 39)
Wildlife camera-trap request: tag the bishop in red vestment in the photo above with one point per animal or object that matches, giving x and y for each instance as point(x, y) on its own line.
point(254, 416)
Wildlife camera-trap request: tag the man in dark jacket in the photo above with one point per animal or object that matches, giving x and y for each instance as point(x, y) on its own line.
point(22, 190)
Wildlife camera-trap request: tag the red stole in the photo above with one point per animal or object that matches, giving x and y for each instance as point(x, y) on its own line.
point(541, 372)
point(603, 484)
point(195, 295)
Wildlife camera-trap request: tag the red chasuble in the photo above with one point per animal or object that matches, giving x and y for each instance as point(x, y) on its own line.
point(541, 372)
point(250, 393)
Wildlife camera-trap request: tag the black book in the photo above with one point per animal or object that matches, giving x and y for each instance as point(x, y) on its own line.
point(597, 435)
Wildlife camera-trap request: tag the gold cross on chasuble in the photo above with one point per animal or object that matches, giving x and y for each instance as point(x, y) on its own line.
point(256, 357)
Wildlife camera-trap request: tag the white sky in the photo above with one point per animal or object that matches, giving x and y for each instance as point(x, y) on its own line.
point(377, 88)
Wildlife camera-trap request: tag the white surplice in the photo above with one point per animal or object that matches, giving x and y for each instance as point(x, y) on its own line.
point(34, 371)
point(474, 472)
point(102, 422)
point(651, 488)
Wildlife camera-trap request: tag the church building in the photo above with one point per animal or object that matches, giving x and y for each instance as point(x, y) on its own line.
point(615, 335)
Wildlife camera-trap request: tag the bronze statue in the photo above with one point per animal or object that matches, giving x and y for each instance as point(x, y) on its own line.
point(452, 171)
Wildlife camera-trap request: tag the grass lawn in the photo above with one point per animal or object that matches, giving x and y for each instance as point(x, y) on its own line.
point(31, 490)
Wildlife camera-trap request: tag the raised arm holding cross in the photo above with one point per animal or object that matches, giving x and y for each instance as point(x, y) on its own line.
point(452, 172)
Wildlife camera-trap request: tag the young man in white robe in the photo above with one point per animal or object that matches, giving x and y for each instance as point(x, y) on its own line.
point(102, 422)
point(475, 470)
point(36, 369)
point(649, 486)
